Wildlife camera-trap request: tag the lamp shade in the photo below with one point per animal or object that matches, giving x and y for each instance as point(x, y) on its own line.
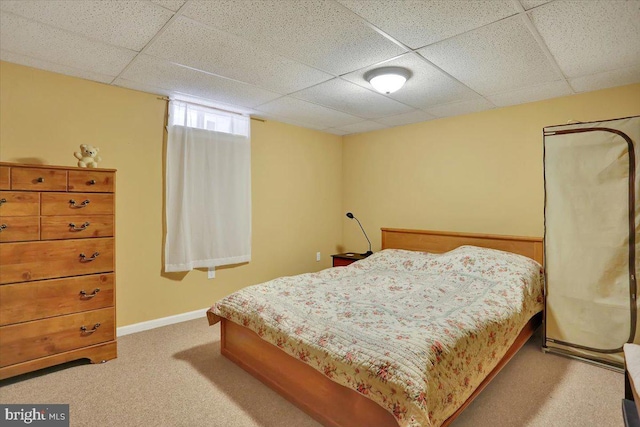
point(387, 79)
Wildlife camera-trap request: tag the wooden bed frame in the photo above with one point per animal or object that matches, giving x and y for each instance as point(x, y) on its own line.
point(330, 403)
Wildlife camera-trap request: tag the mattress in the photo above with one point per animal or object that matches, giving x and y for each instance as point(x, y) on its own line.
point(415, 332)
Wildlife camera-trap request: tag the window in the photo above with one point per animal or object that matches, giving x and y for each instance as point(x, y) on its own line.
point(199, 117)
point(208, 188)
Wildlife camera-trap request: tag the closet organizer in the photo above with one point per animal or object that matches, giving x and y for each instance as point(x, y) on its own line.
point(591, 239)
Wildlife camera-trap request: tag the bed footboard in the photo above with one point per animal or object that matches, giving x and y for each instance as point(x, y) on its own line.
point(329, 403)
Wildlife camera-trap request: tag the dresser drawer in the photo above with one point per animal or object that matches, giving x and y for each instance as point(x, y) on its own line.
point(18, 203)
point(76, 227)
point(38, 179)
point(40, 338)
point(25, 261)
point(92, 181)
point(5, 182)
point(19, 228)
point(76, 204)
point(22, 302)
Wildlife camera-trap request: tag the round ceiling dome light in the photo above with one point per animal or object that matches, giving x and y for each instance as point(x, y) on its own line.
point(387, 79)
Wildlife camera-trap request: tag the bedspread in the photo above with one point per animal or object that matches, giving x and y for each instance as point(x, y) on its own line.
point(415, 332)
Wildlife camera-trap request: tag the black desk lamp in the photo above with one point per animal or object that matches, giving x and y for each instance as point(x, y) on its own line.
point(369, 252)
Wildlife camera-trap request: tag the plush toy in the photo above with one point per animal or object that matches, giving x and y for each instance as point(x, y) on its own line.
point(88, 156)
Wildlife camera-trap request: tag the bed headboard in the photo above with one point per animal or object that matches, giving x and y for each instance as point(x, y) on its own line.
point(443, 241)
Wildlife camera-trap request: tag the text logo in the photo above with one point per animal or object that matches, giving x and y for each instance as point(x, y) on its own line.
point(34, 415)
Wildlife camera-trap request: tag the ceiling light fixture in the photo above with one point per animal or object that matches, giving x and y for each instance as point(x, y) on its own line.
point(387, 79)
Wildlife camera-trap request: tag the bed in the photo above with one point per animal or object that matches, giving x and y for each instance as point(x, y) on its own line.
point(347, 379)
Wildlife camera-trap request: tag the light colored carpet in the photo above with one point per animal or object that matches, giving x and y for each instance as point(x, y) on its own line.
point(175, 376)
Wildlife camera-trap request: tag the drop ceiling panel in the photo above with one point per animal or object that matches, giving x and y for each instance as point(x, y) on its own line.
point(459, 108)
point(55, 68)
point(295, 122)
point(170, 4)
point(531, 94)
point(427, 86)
point(530, 4)
point(366, 126)
point(406, 118)
point(128, 84)
point(321, 34)
point(589, 37)
point(191, 43)
point(497, 58)
point(157, 72)
point(620, 77)
point(306, 112)
point(344, 96)
point(142, 87)
point(129, 24)
point(303, 61)
point(418, 23)
point(22, 36)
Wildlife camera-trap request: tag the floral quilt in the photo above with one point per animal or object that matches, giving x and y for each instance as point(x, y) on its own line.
point(413, 331)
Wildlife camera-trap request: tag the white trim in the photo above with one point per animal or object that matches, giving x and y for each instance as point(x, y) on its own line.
point(163, 321)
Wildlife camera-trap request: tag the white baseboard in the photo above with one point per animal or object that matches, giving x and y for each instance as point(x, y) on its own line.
point(163, 321)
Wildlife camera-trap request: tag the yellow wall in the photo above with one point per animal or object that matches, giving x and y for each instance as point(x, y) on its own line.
point(296, 180)
point(478, 173)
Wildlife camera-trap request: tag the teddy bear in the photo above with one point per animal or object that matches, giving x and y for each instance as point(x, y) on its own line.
point(88, 156)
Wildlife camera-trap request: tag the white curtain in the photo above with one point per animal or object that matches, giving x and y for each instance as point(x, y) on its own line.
point(208, 188)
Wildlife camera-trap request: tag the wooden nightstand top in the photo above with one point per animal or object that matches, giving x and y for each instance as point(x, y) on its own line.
point(350, 255)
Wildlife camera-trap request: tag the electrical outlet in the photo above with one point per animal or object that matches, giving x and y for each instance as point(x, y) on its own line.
point(317, 256)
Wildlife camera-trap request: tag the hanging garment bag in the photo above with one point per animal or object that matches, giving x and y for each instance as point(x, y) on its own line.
point(591, 217)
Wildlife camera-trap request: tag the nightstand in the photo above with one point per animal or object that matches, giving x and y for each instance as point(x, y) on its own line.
point(341, 260)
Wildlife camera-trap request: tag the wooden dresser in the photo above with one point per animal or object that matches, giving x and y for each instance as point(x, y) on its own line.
point(57, 266)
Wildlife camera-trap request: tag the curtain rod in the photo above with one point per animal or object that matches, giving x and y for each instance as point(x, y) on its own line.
point(164, 98)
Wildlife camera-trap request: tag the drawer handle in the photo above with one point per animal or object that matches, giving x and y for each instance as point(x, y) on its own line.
point(3, 226)
point(92, 182)
point(89, 331)
point(83, 257)
point(84, 294)
point(82, 227)
point(81, 205)
point(40, 179)
point(3, 201)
